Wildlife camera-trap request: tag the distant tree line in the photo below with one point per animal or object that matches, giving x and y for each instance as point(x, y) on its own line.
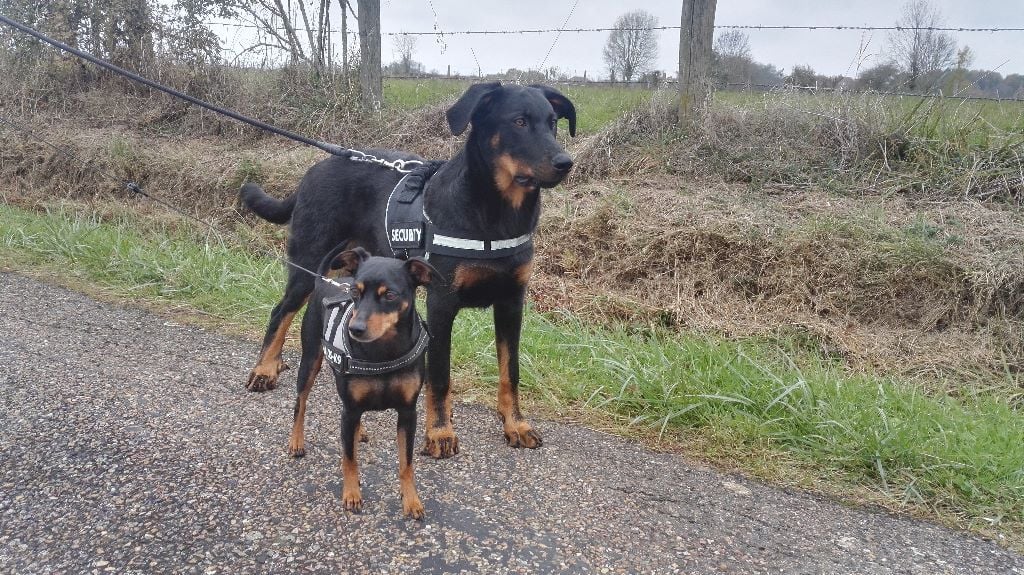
point(917, 59)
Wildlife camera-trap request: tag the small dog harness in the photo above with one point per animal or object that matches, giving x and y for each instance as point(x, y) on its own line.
point(337, 307)
point(411, 233)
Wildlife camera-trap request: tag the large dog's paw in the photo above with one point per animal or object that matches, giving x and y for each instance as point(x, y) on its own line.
point(352, 499)
point(521, 434)
point(263, 377)
point(296, 447)
point(440, 442)
point(412, 507)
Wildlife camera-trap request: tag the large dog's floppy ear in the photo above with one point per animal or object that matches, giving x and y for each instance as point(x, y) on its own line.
point(421, 272)
point(562, 105)
point(460, 113)
point(348, 261)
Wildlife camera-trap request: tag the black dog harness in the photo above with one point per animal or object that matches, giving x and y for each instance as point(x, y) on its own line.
point(411, 233)
point(337, 308)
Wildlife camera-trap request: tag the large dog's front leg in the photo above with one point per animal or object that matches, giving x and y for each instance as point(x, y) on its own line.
point(440, 440)
point(263, 376)
point(309, 367)
point(508, 323)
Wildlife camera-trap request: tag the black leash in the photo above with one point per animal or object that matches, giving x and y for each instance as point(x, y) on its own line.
point(327, 147)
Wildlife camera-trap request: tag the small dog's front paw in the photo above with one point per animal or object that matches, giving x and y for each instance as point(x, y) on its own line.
point(440, 442)
point(296, 448)
point(522, 434)
point(352, 500)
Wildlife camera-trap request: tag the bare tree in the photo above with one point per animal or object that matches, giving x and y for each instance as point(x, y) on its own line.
point(733, 44)
point(731, 60)
point(299, 27)
point(404, 48)
point(917, 47)
point(959, 82)
point(346, 7)
point(632, 46)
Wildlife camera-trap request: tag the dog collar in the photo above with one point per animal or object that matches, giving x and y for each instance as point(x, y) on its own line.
point(411, 232)
point(338, 347)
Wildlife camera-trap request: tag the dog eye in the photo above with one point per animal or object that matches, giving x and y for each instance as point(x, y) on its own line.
point(390, 295)
point(520, 122)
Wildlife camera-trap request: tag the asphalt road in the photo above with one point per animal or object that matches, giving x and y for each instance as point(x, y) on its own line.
point(128, 444)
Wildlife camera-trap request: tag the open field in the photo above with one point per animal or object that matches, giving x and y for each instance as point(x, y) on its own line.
point(600, 105)
point(821, 290)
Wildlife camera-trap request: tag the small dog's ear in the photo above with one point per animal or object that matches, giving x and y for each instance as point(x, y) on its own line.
point(421, 272)
point(563, 106)
point(461, 112)
point(348, 261)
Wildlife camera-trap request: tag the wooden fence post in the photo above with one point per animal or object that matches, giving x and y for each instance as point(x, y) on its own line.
point(370, 83)
point(696, 33)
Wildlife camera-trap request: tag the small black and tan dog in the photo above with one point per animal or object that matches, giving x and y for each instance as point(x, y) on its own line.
point(367, 327)
point(482, 206)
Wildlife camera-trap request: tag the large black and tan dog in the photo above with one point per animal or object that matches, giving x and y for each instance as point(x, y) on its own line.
point(490, 191)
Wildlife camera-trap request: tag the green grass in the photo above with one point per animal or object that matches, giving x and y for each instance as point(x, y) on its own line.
point(961, 457)
point(167, 264)
point(409, 94)
point(597, 106)
point(965, 456)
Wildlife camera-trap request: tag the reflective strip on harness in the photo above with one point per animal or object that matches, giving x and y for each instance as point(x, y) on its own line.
point(458, 243)
point(512, 243)
point(478, 245)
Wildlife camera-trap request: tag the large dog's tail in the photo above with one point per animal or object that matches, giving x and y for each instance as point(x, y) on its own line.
point(269, 208)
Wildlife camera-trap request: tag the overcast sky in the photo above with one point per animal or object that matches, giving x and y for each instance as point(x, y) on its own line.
point(828, 52)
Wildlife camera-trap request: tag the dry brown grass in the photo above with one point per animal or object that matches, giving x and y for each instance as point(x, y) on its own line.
point(851, 144)
point(881, 282)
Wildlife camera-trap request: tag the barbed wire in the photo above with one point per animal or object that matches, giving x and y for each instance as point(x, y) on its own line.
point(717, 26)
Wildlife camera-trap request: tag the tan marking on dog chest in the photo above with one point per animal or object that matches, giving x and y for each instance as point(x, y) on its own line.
point(523, 273)
point(359, 389)
point(407, 387)
point(467, 276)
